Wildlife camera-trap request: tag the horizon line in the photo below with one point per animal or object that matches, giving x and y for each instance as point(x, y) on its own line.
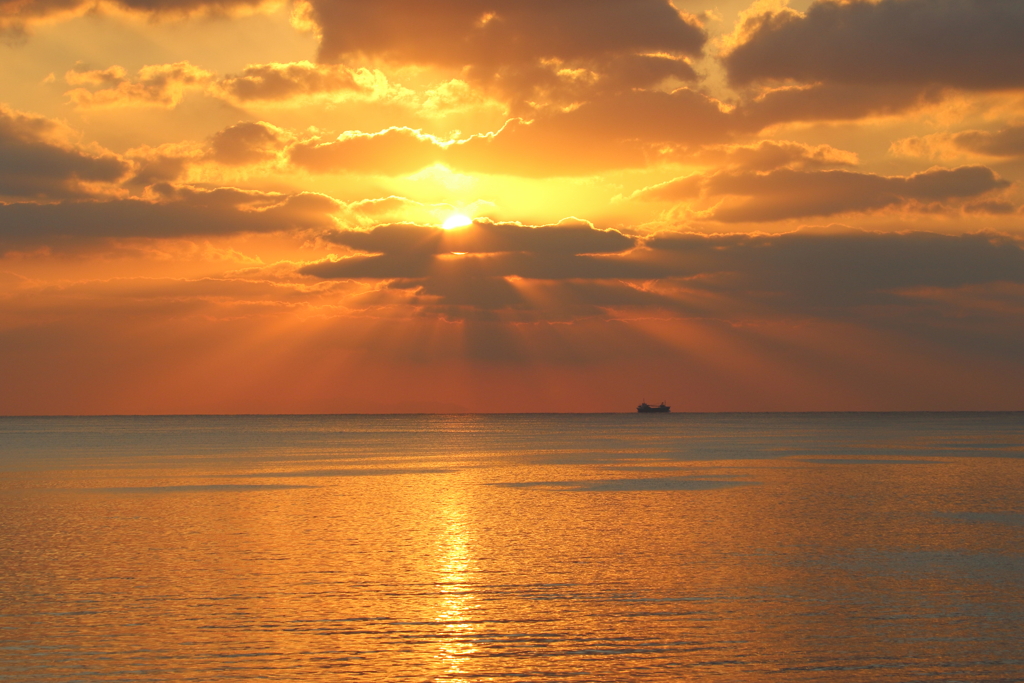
point(454, 414)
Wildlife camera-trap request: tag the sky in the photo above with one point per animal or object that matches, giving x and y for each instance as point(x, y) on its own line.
point(332, 206)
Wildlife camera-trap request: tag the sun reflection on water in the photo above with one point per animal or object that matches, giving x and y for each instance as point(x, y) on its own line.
point(456, 596)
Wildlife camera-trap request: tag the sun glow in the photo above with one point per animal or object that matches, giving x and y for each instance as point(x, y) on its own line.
point(456, 220)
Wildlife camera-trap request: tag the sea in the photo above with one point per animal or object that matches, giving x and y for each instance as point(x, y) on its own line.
point(616, 547)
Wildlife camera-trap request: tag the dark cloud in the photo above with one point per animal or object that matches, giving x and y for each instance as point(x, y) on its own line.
point(801, 272)
point(37, 161)
point(785, 193)
point(165, 85)
point(1008, 142)
point(521, 285)
point(830, 102)
point(992, 208)
point(162, 85)
point(470, 32)
point(769, 155)
point(645, 71)
point(246, 143)
point(14, 14)
point(271, 82)
point(485, 237)
point(479, 253)
point(154, 167)
point(837, 269)
point(969, 44)
point(796, 194)
point(537, 266)
point(528, 51)
point(525, 48)
point(181, 212)
point(242, 144)
point(885, 260)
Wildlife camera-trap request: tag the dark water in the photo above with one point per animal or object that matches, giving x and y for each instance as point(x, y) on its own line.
point(842, 547)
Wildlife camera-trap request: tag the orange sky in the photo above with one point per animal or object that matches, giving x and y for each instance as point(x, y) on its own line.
point(234, 206)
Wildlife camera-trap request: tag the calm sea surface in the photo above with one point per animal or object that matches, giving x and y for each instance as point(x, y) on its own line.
point(787, 547)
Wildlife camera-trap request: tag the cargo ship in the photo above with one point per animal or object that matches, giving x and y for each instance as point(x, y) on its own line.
point(644, 408)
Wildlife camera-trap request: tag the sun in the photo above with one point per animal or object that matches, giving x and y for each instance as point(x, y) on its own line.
point(456, 220)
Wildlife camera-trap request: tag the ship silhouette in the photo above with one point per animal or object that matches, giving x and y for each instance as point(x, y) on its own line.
point(644, 408)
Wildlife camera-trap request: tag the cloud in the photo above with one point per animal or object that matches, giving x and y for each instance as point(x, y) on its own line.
point(285, 84)
point(392, 151)
point(830, 102)
point(992, 208)
point(302, 80)
point(536, 266)
point(275, 81)
point(393, 209)
point(39, 161)
point(625, 131)
point(179, 212)
point(1008, 142)
point(581, 252)
point(16, 14)
point(1005, 143)
point(644, 71)
point(527, 49)
point(785, 193)
point(768, 155)
point(484, 249)
point(247, 143)
point(621, 131)
point(530, 53)
point(968, 44)
point(838, 269)
point(485, 237)
point(160, 85)
point(808, 272)
point(821, 307)
point(250, 147)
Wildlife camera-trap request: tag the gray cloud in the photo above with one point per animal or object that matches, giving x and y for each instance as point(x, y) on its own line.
point(537, 266)
point(35, 163)
point(833, 268)
point(15, 14)
point(1008, 142)
point(469, 264)
point(485, 237)
point(969, 44)
point(526, 50)
point(830, 102)
point(246, 143)
point(163, 85)
point(270, 82)
point(182, 212)
point(768, 155)
point(787, 193)
point(517, 46)
point(800, 272)
point(166, 85)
